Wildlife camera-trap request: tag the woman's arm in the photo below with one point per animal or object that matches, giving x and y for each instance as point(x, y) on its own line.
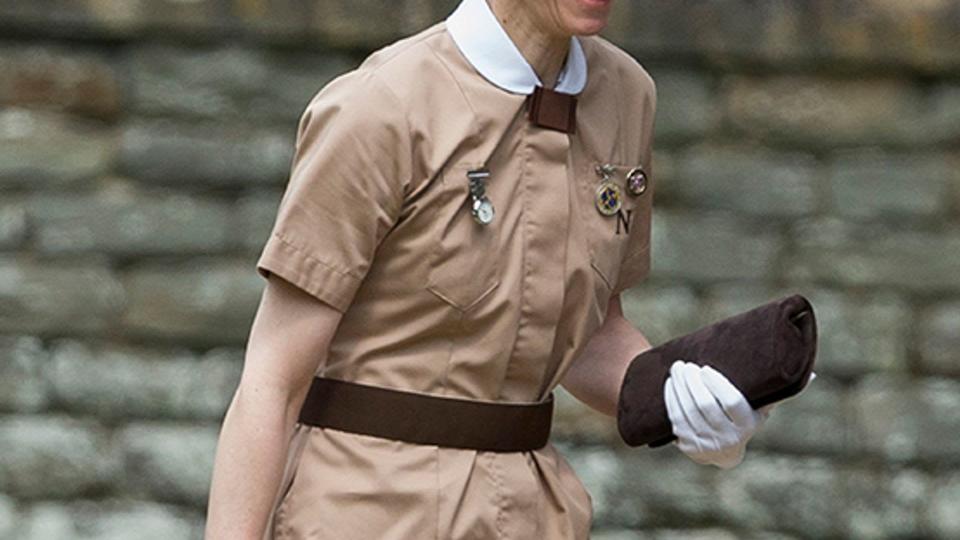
point(595, 375)
point(288, 341)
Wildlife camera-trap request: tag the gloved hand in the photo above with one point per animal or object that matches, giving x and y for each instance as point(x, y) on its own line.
point(710, 417)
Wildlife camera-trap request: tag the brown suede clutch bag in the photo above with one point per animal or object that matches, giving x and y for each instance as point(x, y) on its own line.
point(766, 352)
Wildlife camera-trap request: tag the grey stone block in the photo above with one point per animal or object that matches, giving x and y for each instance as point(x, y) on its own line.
point(815, 421)
point(802, 496)
point(205, 300)
point(861, 333)
point(574, 421)
point(943, 119)
point(215, 154)
point(939, 339)
point(56, 297)
point(124, 221)
point(812, 33)
point(54, 456)
point(885, 504)
point(873, 185)
point(836, 252)
point(252, 218)
point(45, 521)
point(122, 382)
point(13, 226)
point(109, 519)
point(661, 312)
point(705, 247)
point(903, 421)
point(942, 516)
point(43, 150)
point(888, 417)
point(167, 461)
point(8, 517)
point(22, 386)
point(662, 487)
point(227, 82)
point(75, 80)
point(823, 113)
point(686, 106)
point(599, 469)
point(749, 181)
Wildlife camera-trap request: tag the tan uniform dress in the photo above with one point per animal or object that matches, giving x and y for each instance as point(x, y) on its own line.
point(376, 222)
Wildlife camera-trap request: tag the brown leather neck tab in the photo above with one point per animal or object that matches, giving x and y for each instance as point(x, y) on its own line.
point(553, 110)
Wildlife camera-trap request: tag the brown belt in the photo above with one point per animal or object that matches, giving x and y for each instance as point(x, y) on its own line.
point(427, 419)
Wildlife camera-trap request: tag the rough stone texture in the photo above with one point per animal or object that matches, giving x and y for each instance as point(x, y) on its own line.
point(125, 382)
point(13, 225)
point(747, 181)
point(801, 147)
point(663, 312)
point(54, 456)
point(124, 221)
point(22, 386)
point(886, 504)
point(168, 462)
point(575, 422)
point(57, 78)
point(203, 300)
point(795, 495)
point(110, 519)
point(868, 185)
point(876, 255)
point(686, 108)
point(39, 149)
point(660, 487)
point(252, 219)
point(228, 82)
point(823, 113)
point(939, 339)
point(711, 246)
point(942, 514)
point(8, 517)
point(816, 421)
point(77, 296)
point(903, 420)
point(165, 152)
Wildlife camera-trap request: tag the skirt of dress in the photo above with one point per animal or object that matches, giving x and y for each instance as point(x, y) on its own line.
point(347, 486)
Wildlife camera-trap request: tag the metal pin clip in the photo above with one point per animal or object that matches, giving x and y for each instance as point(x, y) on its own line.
point(481, 207)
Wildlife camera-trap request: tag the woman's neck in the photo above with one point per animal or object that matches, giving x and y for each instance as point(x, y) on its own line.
point(544, 51)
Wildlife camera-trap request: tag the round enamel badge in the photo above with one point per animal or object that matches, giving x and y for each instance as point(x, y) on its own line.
point(636, 181)
point(608, 198)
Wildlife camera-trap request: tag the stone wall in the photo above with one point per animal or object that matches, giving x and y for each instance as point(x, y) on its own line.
point(807, 146)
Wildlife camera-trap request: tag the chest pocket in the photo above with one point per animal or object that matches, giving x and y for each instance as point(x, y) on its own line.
point(610, 237)
point(463, 264)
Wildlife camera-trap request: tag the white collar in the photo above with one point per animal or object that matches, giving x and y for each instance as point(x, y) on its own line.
point(483, 41)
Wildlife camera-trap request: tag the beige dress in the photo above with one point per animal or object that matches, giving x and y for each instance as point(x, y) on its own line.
point(376, 222)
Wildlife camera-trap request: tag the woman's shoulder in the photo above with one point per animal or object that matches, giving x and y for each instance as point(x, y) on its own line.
point(601, 53)
point(389, 75)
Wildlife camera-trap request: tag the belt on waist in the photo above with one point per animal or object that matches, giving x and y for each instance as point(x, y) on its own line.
point(427, 419)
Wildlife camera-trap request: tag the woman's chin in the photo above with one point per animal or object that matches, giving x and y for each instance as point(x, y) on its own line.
point(588, 26)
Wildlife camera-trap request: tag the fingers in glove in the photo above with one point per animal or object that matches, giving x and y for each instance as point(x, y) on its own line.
point(687, 440)
point(708, 405)
point(734, 403)
point(700, 426)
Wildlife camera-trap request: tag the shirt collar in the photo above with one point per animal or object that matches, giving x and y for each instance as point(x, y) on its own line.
point(486, 45)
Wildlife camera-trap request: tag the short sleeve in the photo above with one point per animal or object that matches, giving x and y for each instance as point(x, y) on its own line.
point(635, 264)
point(345, 190)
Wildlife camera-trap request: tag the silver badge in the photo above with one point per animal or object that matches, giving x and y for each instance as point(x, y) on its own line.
point(481, 207)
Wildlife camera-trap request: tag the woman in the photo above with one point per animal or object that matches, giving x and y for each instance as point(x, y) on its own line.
point(443, 235)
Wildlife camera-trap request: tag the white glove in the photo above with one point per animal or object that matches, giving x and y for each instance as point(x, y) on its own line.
point(711, 418)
